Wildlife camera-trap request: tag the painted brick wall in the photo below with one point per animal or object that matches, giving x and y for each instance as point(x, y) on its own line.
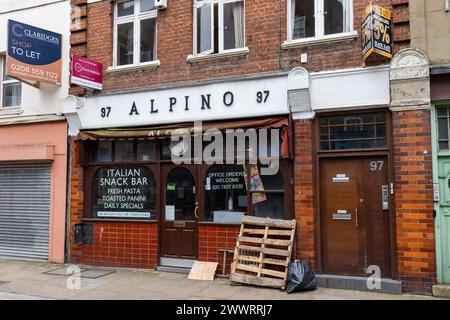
point(414, 200)
point(211, 239)
point(118, 244)
point(304, 191)
point(266, 30)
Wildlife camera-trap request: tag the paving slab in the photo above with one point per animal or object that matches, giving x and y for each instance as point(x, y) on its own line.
point(28, 281)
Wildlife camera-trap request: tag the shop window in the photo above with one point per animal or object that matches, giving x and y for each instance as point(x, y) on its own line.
point(225, 194)
point(146, 150)
point(360, 131)
point(443, 116)
point(177, 149)
point(135, 32)
point(123, 150)
point(218, 26)
point(318, 18)
point(103, 152)
point(10, 89)
point(124, 192)
point(267, 193)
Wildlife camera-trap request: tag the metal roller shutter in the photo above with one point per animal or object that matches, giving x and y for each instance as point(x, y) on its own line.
point(24, 211)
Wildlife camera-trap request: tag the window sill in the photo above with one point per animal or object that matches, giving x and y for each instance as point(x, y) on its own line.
point(7, 111)
point(317, 41)
point(214, 56)
point(143, 66)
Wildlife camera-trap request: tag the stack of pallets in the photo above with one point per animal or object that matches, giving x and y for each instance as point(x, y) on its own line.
point(263, 252)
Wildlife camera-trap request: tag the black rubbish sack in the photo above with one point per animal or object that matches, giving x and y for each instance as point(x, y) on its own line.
point(300, 277)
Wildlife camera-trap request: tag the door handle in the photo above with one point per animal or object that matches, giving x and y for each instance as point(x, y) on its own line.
point(196, 210)
point(356, 217)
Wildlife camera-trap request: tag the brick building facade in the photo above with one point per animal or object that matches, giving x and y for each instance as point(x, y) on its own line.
point(333, 88)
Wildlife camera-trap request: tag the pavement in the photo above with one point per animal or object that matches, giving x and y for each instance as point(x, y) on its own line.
point(30, 281)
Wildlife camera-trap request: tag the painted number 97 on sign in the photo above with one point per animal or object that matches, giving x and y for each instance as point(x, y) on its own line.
point(105, 111)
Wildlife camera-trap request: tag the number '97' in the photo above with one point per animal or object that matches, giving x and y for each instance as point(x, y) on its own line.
point(104, 112)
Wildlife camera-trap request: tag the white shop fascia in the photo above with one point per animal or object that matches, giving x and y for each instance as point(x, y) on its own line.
point(254, 96)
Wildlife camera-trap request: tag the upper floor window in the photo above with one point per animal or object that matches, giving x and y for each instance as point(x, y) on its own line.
point(218, 26)
point(134, 32)
point(318, 18)
point(10, 89)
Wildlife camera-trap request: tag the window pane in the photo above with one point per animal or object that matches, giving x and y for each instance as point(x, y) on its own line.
point(442, 112)
point(272, 207)
point(125, 44)
point(443, 128)
point(147, 5)
point(123, 151)
point(115, 199)
point(5, 77)
point(233, 25)
point(273, 182)
point(336, 16)
point(204, 28)
point(443, 145)
point(103, 152)
point(146, 150)
point(125, 8)
point(148, 40)
point(12, 93)
point(260, 182)
point(302, 19)
point(225, 194)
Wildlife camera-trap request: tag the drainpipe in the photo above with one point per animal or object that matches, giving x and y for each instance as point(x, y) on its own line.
point(446, 6)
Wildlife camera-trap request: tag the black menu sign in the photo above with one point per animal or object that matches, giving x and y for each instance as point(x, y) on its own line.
point(123, 193)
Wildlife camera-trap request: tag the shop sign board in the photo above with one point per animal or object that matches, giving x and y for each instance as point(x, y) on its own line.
point(123, 193)
point(86, 73)
point(240, 98)
point(377, 32)
point(34, 54)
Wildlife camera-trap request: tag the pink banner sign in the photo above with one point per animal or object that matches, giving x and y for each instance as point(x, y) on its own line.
point(87, 73)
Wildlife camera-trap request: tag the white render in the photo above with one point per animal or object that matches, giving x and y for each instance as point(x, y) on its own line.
point(47, 101)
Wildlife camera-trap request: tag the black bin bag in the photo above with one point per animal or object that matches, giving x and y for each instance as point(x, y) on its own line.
point(300, 277)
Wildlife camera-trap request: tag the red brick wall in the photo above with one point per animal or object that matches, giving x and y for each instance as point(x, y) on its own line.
point(304, 191)
point(266, 30)
point(414, 200)
point(214, 237)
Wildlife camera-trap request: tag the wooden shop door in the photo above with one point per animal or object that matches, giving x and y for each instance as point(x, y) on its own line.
point(180, 212)
point(354, 220)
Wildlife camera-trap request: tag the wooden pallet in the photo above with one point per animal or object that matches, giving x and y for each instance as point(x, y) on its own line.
point(263, 252)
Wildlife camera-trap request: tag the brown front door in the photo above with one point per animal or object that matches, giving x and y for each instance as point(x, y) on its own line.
point(354, 222)
point(179, 212)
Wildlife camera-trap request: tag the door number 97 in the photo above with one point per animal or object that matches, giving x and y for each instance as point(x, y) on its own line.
point(104, 112)
point(376, 165)
point(262, 96)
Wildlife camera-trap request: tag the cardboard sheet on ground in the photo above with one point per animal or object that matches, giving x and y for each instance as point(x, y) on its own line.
point(202, 270)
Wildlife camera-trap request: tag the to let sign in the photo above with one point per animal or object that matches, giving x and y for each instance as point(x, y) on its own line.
point(33, 53)
point(377, 32)
point(87, 73)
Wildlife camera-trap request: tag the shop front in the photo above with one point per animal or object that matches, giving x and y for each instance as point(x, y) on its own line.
point(167, 195)
point(33, 190)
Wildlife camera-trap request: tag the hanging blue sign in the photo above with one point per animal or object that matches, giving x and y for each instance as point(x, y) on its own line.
point(33, 53)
